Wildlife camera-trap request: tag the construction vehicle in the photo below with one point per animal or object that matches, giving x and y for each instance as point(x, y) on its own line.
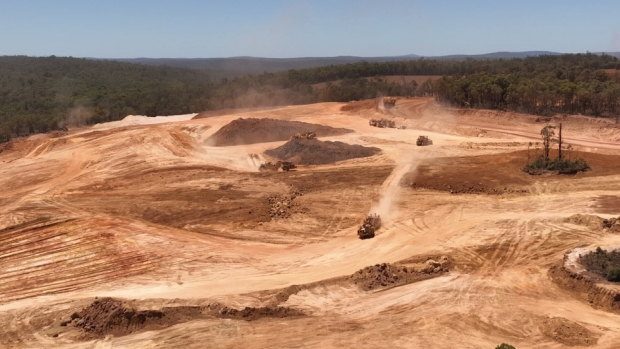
point(305, 135)
point(382, 123)
point(371, 224)
point(280, 165)
point(423, 140)
point(389, 102)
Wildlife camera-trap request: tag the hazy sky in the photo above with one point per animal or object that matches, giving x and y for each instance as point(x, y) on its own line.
point(275, 28)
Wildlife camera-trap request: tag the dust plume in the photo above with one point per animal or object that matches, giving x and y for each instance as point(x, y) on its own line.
point(391, 187)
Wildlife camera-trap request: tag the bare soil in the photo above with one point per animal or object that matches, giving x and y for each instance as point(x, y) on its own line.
point(497, 173)
point(158, 219)
point(567, 332)
point(250, 131)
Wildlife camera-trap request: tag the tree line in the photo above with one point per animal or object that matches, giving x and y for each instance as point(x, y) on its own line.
point(46, 93)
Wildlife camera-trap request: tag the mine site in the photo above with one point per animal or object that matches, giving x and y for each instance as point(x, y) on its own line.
point(309, 174)
point(307, 226)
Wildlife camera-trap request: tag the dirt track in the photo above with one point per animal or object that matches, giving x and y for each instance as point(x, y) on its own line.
point(155, 215)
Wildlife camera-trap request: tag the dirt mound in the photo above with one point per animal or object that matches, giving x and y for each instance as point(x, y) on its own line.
point(391, 275)
point(254, 313)
point(110, 316)
point(283, 205)
point(315, 152)
point(595, 222)
point(567, 332)
point(249, 131)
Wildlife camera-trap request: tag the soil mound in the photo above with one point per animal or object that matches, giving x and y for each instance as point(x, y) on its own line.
point(253, 313)
point(391, 275)
point(567, 332)
point(284, 205)
point(109, 316)
point(249, 131)
point(315, 152)
point(595, 222)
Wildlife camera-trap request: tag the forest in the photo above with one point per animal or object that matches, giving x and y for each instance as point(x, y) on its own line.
point(47, 93)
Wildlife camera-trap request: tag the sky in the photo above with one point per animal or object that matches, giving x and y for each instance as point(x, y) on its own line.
point(278, 28)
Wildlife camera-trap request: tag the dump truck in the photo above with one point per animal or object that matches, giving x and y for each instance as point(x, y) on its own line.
point(280, 165)
point(382, 123)
point(371, 224)
point(423, 140)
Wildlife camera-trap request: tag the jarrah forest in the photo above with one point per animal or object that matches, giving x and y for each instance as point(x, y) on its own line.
point(314, 201)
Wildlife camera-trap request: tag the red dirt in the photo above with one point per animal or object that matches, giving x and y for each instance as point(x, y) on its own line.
point(250, 131)
point(497, 173)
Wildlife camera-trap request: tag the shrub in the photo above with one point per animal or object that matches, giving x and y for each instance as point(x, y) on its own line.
point(504, 346)
point(602, 262)
point(613, 274)
point(562, 166)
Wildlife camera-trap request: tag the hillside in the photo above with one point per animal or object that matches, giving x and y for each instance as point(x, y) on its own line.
point(238, 66)
point(42, 94)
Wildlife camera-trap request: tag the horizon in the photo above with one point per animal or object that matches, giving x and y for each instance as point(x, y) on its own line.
point(411, 55)
point(303, 29)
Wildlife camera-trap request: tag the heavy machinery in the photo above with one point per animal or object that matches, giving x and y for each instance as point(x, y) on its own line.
point(389, 102)
point(305, 135)
point(371, 224)
point(280, 165)
point(423, 140)
point(382, 123)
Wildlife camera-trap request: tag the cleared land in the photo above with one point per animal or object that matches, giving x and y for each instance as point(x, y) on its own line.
point(182, 234)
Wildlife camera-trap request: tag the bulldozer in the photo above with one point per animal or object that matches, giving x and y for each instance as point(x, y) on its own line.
point(423, 140)
point(382, 123)
point(371, 224)
point(280, 165)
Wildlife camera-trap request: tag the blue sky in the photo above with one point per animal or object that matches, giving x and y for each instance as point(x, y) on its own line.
point(275, 28)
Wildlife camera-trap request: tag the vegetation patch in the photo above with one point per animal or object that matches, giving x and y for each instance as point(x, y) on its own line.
point(604, 263)
point(562, 165)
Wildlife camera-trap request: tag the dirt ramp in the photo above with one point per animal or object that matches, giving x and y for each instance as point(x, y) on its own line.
point(249, 131)
point(315, 152)
point(392, 275)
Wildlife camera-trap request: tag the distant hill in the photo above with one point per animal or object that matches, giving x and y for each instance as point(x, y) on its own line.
point(219, 68)
point(237, 66)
